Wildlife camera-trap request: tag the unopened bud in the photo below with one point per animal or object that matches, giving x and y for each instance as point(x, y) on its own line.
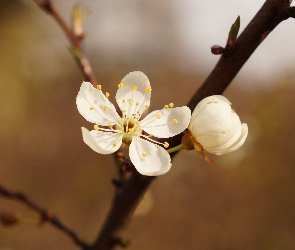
point(9, 218)
point(78, 17)
point(217, 50)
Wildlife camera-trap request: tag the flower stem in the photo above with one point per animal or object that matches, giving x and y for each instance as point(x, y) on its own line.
point(175, 149)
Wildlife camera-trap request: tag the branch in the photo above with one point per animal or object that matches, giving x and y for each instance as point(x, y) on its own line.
point(133, 189)
point(45, 216)
point(75, 40)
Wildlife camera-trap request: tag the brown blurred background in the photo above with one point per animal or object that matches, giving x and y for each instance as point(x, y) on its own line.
point(243, 201)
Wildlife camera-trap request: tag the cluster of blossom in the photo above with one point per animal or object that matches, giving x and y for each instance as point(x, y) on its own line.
point(213, 125)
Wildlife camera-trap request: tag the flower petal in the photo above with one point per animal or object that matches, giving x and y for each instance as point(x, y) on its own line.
point(207, 100)
point(166, 123)
point(148, 158)
point(134, 94)
point(238, 143)
point(93, 105)
point(102, 142)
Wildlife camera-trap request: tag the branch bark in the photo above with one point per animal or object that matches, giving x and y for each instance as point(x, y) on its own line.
point(45, 216)
point(133, 189)
point(76, 42)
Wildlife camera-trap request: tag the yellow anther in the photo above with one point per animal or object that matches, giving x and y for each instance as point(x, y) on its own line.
point(133, 87)
point(131, 129)
point(166, 144)
point(158, 116)
point(121, 85)
point(107, 94)
point(166, 106)
point(148, 89)
point(110, 125)
point(144, 154)
point(124, 110)
point(150, 135)
point(105, 108)
point(96, 127)
point(137, 104)
point(174, 121)
point(133, 114)
point(123, 100)
point(137, 122)
point(146, 106)
point(171, 105)
point(114, 144)
point(98, 87)
point(130, 102)
point(92, 108)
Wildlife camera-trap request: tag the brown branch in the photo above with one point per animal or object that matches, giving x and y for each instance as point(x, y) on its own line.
point(131, 192)
point(45, 216)
point(76, 41)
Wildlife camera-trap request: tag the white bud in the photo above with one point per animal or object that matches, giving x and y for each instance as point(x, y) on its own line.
point(216, 126)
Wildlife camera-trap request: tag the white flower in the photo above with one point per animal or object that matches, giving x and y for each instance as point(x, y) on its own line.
point(216, 127)
point(110, 129)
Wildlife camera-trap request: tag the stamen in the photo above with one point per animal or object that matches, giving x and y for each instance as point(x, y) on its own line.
point(107, 94)
point(166, 144)
point(114, 144)
point(98, 87)
point(174, 121)
point(150, 135)
point(130, 102)
point(124, 110)
point(137, 104)
point(133, 115)
point(92, 108)
point(123, 100)
point(146, 106)
point(144, 154)
point(121, 85)
point(148, 89)
point(158, 116)
point(171, 105)
point(105, 108)
point(166, 106)
point(133, 87)
point(96, 127)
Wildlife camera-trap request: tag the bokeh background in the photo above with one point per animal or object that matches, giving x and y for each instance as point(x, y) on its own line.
point(243, 201)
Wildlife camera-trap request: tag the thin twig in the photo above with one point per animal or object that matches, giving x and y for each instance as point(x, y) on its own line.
point(76, 42)
point(45, 216)
point(128, 195)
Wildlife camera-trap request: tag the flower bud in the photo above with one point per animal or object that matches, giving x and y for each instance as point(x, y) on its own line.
point(217, 50)
point(9, 218)
point(216, 127)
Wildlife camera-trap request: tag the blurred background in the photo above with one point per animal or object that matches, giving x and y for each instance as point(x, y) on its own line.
point(243, 201)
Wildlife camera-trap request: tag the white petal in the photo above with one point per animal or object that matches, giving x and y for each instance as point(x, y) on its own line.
point(102, 142)
point(209, 99)
point(238, 143)
point(163, 126)
point(134, 100)
point(215, 118)
point(148, 158)
point(95, 107)
point(222, 132)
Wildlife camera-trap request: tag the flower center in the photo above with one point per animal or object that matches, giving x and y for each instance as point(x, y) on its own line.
point(129, 127)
